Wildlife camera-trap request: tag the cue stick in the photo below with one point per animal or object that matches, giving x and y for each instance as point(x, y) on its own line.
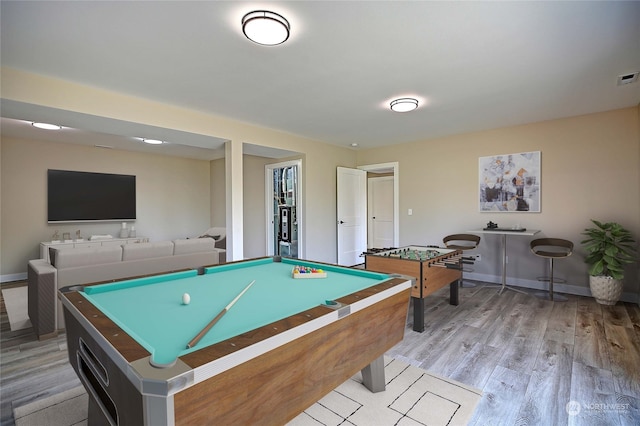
point(213, 322)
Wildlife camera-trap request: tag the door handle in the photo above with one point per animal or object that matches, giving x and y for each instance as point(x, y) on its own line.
point(340, 222)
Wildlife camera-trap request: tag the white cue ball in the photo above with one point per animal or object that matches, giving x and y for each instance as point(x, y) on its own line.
point(186, 299)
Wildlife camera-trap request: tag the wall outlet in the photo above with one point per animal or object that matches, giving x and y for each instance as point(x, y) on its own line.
point(478, 257)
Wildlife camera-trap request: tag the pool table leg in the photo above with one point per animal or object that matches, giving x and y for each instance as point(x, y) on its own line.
point(373, 375)
point(418, 314)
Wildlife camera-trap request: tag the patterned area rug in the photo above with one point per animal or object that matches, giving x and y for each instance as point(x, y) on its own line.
point(413, 396)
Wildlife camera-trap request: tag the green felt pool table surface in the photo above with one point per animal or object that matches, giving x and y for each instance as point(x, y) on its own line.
point(152, 312)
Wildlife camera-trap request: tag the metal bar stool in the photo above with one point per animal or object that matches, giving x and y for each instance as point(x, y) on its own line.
point(462, 242)
point(551, 248)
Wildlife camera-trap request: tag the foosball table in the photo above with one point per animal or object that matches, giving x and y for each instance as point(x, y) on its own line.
point(433, 268)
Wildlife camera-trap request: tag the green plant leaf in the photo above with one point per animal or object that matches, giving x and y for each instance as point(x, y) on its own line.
point(596, 268)
point(609, 246)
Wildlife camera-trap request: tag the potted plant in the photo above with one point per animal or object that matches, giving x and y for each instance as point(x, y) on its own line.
point(609, 247)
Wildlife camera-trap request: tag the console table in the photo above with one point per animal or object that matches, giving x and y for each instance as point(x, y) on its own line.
point(44, 246)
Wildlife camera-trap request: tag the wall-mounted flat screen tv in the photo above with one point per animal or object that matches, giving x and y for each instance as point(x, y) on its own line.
point(85, 196)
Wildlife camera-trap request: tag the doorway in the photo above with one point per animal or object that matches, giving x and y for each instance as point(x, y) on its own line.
point(392, 219)
point(284, 208)
point(350, 193)
point(380, 212)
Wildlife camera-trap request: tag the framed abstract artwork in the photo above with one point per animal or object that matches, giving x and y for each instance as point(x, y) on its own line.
point(510, 183)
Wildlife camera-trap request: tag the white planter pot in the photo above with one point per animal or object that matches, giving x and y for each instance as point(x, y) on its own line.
point(605, 290)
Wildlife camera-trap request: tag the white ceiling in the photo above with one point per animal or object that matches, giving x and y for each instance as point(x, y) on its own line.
point(472, 65)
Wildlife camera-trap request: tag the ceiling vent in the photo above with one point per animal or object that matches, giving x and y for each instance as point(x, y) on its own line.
point(628, 78)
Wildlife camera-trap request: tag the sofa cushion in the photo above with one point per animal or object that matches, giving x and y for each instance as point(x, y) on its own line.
point(196, 245)
point(216, 233)
point(147, 250)
point(215, 237)
point(74, 257)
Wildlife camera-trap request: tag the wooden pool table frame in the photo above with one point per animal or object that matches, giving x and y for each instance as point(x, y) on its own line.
point(207, 387)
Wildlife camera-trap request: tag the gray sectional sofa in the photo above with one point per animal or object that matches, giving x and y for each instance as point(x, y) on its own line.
point(76, 266)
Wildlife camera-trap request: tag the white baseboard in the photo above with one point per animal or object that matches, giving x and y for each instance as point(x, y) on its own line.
point(541, 285)
point(22, 276)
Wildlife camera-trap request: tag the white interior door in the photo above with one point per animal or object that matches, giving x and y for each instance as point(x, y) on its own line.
point(351, 215)
point(380, 212)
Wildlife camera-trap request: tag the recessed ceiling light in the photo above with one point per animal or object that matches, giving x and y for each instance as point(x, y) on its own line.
point(46, 126)
point(152, 141)
point(354, 144)
point(264, 27)
point(404, 104)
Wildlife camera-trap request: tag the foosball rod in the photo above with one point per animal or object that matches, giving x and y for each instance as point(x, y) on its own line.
point(446, 265)
point(443, 262)
point(449, 260)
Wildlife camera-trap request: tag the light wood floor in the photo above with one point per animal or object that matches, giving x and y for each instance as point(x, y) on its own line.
point(30, 369)
point(530, 357)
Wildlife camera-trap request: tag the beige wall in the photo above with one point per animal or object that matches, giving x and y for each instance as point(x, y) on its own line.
point(320, 159)
point(168, 207)
point(254, 206)
point(217, 193)
point(172, 195)
point(590, 169)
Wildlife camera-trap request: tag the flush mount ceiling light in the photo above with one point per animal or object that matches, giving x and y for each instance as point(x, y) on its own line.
point(46, 126)
point(264, 27)
point(404, 104)
point(152, 141)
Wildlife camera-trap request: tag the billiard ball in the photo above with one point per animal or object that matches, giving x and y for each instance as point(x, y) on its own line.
point(186, 299)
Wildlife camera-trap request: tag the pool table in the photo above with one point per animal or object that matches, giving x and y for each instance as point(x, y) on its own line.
point(433, 268)
point(281, 347)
